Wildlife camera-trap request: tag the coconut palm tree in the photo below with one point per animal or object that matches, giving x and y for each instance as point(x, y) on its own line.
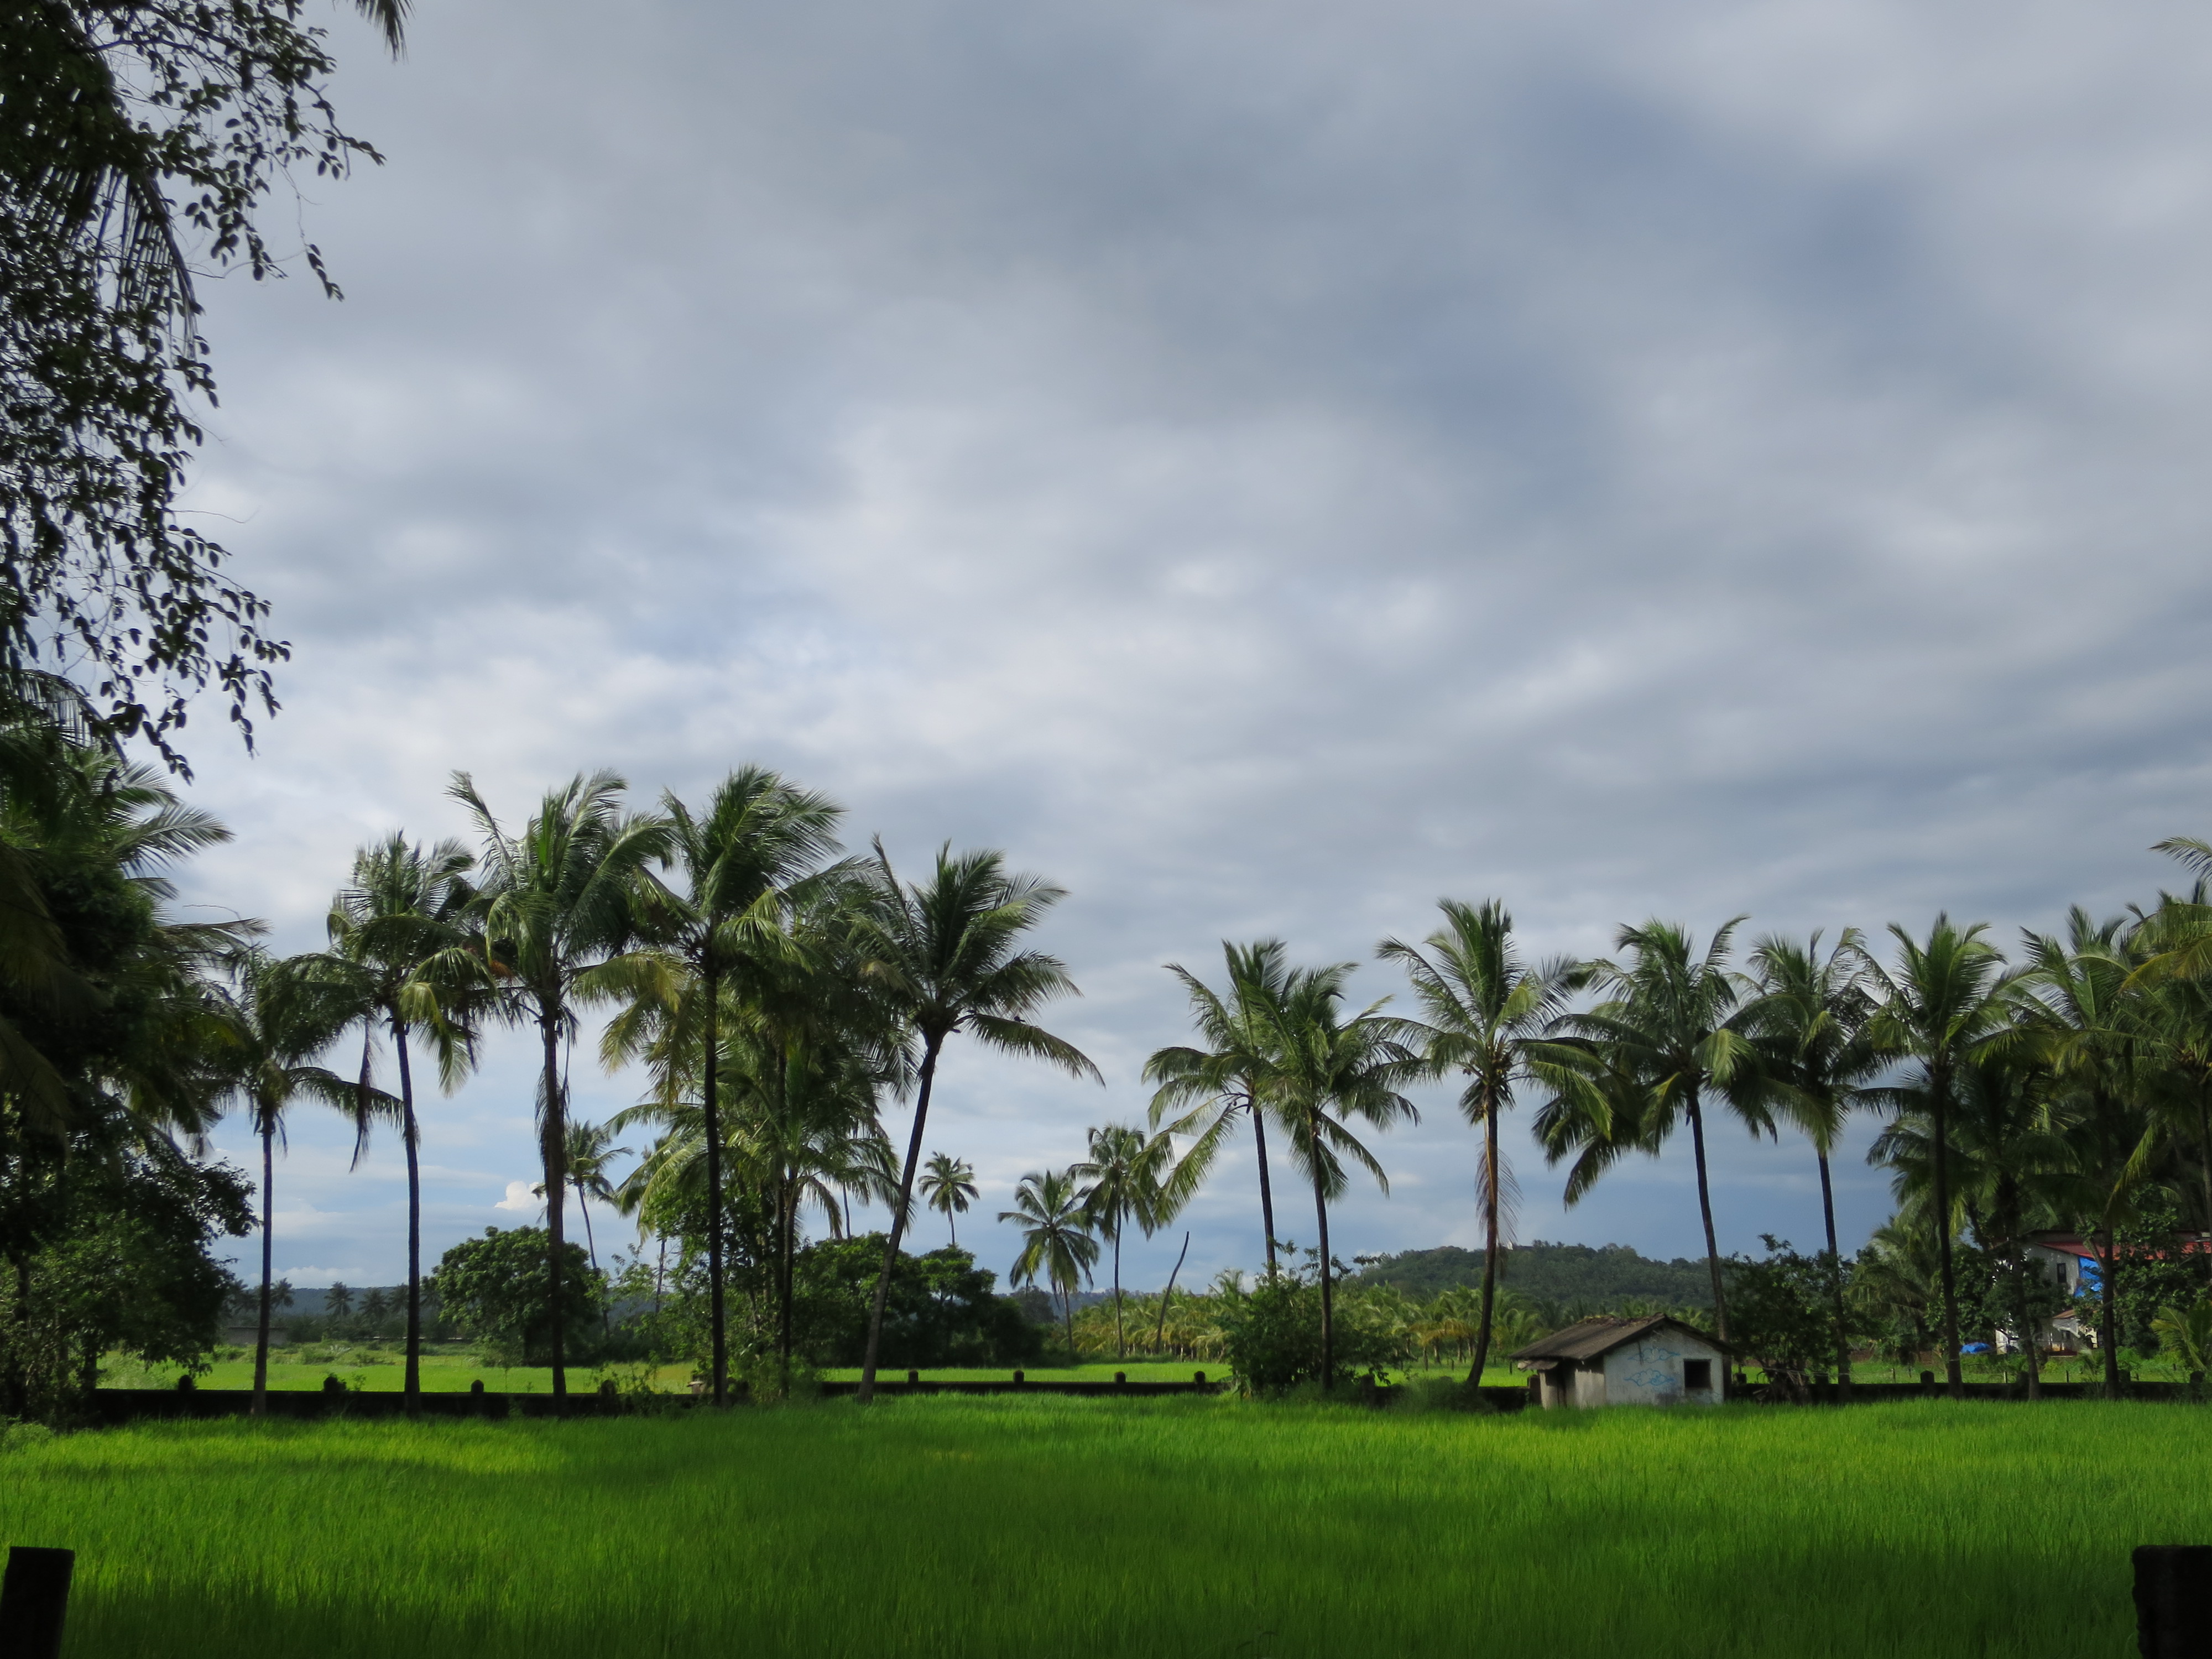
point(1948, 997)
point(2006, 1157)
point(1486, 1015)
point(1809, 1020)
point(1056, 1239)
point(948, 1187)
point(1203, 1090)
point(271, 1031)
point(944, 956)
point(404, 964)
point(556, 902)
point(1123, 1181)
point(1665, 1040)
point(591, 1150)
point(1333, 1070)
point(2089, 1019)
point(805, 1059)
point(747, 857)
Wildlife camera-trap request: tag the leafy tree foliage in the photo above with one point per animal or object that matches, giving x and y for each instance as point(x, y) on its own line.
point(112, 1253)
point(1783, 1310)
point(1276, 1338)
point(942, 1309)
point(139, 135)
point(496, 1289)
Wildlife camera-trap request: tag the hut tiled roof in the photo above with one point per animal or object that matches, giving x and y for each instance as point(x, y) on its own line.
point(1588, 1338)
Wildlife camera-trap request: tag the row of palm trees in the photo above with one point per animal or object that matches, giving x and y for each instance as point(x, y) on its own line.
point(777, 995)
point(766, 986)
point(2084, 1074)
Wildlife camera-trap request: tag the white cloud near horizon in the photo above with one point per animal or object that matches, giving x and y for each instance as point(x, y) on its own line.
point(1264, 467)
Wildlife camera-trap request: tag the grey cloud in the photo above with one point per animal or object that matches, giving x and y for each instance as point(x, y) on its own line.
point(1266, 467)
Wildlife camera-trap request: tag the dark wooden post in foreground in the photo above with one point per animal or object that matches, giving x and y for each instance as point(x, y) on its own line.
point(33, 1598)
point(2174, 1601)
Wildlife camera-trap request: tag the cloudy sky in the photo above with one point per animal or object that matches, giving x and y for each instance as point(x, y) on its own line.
point(1265, 466)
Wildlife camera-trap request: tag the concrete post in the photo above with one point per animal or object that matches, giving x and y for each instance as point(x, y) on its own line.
point(34, 1599)
point(2174, 1601)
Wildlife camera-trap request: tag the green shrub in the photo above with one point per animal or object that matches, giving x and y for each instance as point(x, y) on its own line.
point(1275, 1336)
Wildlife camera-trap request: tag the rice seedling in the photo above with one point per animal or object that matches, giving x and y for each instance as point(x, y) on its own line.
point(1187, 1527)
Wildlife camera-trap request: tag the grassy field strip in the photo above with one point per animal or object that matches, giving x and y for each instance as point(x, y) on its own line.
point(1194, 1526)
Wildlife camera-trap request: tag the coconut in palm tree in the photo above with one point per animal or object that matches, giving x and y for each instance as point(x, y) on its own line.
point(1122, 1181)
point(945, 955)
point(1203, 1088)
point(557, 902)
point(404, 964)
point(1056, 1241)
point(271, 1031)
point(948, 1187)
point(1486, 1015)
point(1335, 1071)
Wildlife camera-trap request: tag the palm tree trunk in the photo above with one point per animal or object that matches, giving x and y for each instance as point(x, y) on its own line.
point(952, 1227)
point(1327, 1308)
point(1705, 1215)
point(1266, 1197)
point(1160, 1336)
point(718, 1321)
point(787, 1248)
point(1121, 1347)
point(1835, 1277)
point(2204, 1160)
point(2108, 1318)
point(553, 1146)
point(2027, 1323)
point(411, 1384)
point(1939, 1080)
point(584, 1209)
point(1068, 1310)
point(591, 1244)
point(1489, 1242)
point(867, 1388)
point(261, 1341)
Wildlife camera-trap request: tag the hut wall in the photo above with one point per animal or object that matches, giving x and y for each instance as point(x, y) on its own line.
point(1649, 1371)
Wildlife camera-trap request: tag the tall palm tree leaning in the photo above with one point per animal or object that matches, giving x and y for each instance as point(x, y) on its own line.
point(746, 858)
point(590, 1149)
point(1487, 1015)
point(1122, 1183)
point(1331, 1071)
point(403, 962)
point(1056, 1239)
point(942, 956)
point(1201, 1090)
point(556, 902)
point(270, 1032)
point(1665, 1038)
point(1948, 997)
point(948, 1187)
point(1809, 1020)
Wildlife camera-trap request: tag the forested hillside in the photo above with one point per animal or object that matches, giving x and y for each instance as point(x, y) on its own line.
point(1560, 1273)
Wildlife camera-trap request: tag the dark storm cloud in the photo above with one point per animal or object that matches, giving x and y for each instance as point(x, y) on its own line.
point(1267, 467)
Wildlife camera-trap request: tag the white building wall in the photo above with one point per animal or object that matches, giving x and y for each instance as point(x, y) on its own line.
point(1649, 1371)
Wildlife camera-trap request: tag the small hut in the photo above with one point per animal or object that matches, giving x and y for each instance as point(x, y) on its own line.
point(1627, 1361)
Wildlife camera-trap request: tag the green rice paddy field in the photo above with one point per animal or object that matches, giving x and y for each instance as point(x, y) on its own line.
point(1182, 1527)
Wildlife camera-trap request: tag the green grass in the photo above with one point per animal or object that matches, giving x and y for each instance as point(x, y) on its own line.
point(1194, 1527)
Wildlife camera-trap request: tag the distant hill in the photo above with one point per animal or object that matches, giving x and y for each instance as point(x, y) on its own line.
point(1565, 1274)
